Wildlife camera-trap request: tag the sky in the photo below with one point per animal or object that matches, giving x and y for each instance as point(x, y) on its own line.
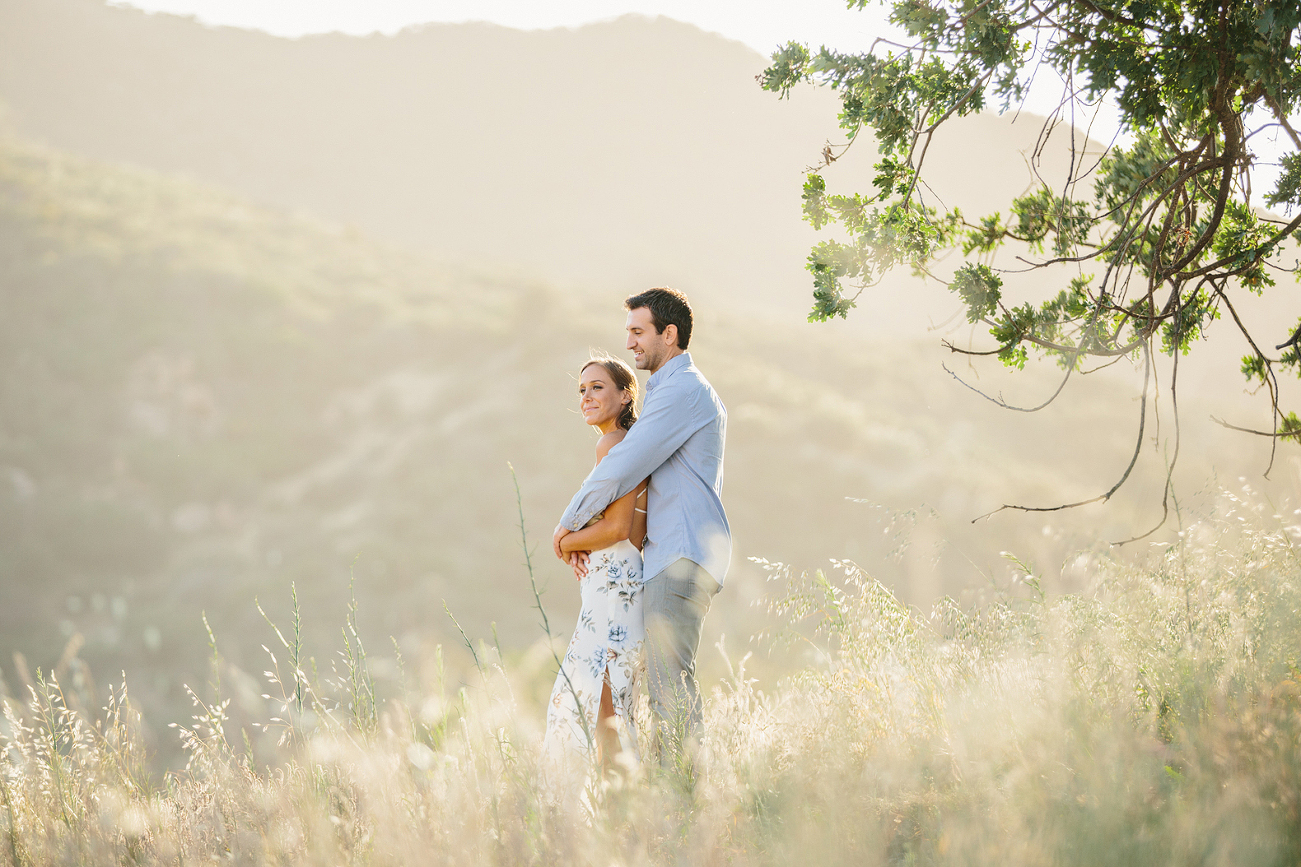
point(761, 24)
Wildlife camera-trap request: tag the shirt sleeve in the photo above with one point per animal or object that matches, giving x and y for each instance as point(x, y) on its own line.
point(668, 420)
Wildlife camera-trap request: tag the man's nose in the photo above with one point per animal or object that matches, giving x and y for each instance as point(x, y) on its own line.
point(631, 344)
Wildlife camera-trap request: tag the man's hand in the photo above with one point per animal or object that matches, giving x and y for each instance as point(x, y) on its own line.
point(561, 532)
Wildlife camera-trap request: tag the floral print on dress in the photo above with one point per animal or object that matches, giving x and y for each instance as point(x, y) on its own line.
point(607, 644)
point(627, 596)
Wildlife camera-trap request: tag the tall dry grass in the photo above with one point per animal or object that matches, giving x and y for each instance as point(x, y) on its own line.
point(1155, 719)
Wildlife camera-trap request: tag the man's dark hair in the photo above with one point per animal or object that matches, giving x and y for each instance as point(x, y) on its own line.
point(667, 307)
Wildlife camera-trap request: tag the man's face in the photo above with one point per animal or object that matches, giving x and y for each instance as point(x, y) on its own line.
point(650, 349)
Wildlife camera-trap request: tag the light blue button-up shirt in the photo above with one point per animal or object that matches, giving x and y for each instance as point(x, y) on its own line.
point(678, 442)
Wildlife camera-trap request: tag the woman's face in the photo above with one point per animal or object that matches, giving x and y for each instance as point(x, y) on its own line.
point(599, 400)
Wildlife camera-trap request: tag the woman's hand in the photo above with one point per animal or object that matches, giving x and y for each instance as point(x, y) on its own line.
point(578, 561)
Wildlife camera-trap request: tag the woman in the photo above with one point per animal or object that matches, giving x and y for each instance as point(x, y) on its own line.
point(595, 694)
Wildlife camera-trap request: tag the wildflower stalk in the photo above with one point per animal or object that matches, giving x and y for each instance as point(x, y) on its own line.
point(296, 651)
point(216, 658)
point(361, 686)
point(546, 623)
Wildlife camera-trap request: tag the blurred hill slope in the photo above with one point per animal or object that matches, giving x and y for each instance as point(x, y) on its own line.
point(631, 153)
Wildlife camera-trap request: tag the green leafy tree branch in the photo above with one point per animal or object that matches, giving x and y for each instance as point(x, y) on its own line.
point(1170, 237)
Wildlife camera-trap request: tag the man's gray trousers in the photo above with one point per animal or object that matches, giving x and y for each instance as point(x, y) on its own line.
point(674, 603)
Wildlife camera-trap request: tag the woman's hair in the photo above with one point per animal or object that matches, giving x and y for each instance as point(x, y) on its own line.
point(624, 379)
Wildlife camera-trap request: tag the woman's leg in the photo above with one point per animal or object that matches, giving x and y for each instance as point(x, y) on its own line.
point(607, 728)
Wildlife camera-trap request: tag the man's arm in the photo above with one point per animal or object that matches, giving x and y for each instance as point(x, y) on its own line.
point(670, 417)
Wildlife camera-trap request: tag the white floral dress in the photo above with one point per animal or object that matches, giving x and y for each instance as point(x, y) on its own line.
point(607, 644)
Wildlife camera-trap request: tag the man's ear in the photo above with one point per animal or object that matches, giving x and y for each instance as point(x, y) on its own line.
point(671, 334)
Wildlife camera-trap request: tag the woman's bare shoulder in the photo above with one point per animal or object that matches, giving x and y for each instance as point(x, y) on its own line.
point(609, 441)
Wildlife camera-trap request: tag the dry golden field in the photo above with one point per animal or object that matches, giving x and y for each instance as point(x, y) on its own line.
point(1152, 719)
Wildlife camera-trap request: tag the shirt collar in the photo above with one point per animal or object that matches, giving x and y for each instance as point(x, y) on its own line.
point(675, 363)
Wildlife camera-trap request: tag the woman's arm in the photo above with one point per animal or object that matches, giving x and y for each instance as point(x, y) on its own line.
point(616, 525)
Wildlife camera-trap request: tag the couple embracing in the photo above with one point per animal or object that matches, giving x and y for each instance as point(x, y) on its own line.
point(648, 539)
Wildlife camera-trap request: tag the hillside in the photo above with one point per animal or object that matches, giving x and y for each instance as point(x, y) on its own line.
point(624, 154)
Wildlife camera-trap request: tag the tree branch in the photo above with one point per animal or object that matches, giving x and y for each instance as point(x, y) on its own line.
point(1282, 118)
point(1283, 233)
point(1138, 447)
point(1276, 435)
point(1271, 381)
point(1170, 467)
point(1004, 404)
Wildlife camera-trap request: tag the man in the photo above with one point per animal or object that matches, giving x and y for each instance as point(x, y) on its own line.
point(678, 442)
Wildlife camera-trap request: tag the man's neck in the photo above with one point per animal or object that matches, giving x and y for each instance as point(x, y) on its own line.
point(674, 353)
